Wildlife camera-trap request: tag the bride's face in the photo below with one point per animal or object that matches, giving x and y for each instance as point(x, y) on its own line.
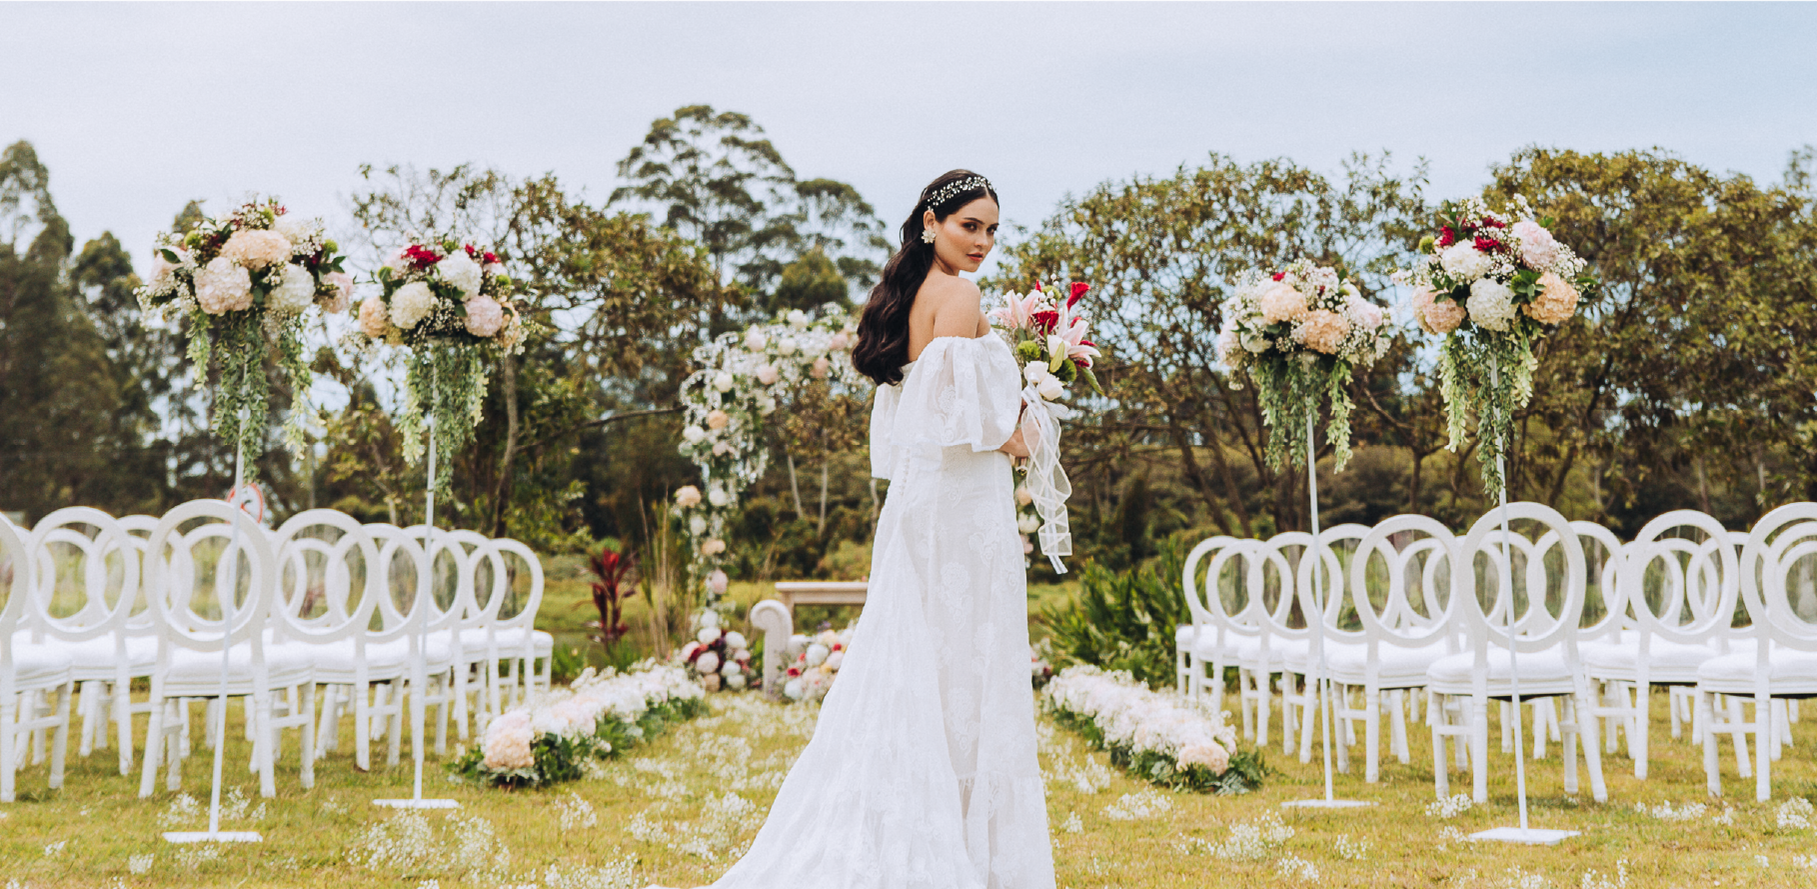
point(965, 236)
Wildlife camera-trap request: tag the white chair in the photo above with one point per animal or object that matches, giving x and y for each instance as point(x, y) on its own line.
point(190, 643)
point(1677, 583)
point(519, 641)
point(1247, 640)
point(28, 671)
point(1461, 686)
point(1399, 640)
point(1335, 545)
point(1775, 656)
point(78, 618)
point(1209, 639)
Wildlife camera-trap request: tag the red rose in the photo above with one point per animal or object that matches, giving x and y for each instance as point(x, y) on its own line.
point(1446, 237)
point(1486, 244)
point(1045, 320)
point(421, 257)
point(1280, 276)
point(491, 257)
point(1493, 223)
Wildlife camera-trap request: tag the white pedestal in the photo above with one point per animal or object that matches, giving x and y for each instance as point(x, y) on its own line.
point(218, 836)
point(417, 803)
point(1325, 804)
point(1531, 836)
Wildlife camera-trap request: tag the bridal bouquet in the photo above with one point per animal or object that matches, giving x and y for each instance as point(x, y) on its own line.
point(1048, 334)
point(1491, 282)
point(1298, 331)
point(243, 280)
point(450, 303)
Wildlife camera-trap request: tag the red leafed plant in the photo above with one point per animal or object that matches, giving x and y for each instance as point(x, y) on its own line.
point(611, 570)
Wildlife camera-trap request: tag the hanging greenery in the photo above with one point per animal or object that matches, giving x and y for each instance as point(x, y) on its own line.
point(1299, 332)
point(450, 304)
point(243, 280)
point(1492, 283)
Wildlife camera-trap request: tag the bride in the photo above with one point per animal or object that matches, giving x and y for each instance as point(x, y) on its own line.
point(922, 772)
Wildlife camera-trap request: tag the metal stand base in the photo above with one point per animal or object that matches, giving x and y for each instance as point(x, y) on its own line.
point(218, 836)
point(1325, 804)
point(417, 803)
point(1532, 836)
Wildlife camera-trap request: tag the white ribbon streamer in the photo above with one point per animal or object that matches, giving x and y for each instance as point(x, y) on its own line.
point(1047, 482)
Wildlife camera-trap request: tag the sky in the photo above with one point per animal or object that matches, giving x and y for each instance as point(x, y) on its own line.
point(137, 108)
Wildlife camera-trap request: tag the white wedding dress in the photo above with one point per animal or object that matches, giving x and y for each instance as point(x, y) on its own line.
point(922, 771)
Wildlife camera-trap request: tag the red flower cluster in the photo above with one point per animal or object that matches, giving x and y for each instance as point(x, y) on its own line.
point(1490, 222)
point(1078, 290)
point(486, 258)
point(1486, 244)
point(1446, 237)
point(421, 257)
point(1280, 276)
point(1045, 320)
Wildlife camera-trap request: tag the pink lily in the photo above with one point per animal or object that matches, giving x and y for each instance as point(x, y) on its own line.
point(1077, 346)
point(1016, 311)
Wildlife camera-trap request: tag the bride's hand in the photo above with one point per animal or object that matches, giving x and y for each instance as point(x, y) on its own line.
point(1015, 446)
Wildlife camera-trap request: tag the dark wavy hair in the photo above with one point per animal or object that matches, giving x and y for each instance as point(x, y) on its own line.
point(883, 329)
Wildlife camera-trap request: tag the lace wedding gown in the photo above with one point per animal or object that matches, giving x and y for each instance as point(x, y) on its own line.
point(922, 772)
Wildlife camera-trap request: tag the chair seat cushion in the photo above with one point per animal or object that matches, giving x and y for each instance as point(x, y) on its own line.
point(1541, 673)
point(334, 661)
point(199, 672)
point(510, 642)
point(39, 665)
point(96, 658)
point(1667, 662)
point(1789, 672)
point(1397, 667)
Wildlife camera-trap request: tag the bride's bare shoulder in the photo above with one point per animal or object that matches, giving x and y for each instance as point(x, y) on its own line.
point(941, 292)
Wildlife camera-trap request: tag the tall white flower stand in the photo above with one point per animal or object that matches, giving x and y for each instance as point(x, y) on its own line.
point(419, 643)
point(1523, 834)
point(214, 833)
point(1320, 668)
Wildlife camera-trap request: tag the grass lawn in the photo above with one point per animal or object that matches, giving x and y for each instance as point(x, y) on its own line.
point(680, 809)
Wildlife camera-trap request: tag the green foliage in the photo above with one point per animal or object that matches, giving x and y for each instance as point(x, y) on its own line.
point(1124, 620)
point(444, 388)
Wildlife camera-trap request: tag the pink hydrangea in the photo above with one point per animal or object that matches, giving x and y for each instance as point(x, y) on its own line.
point(1283, 303)
point(343, 292)
point(484, 316)
point(507, 744)
point(1537, 246)
point(687, 496)
point(717, 419)
point(767, 374)
point(820, 367)
point(222, 286)
point(1434, 316)
point(1556, 302)
point(1211, 756)
point(1324, 331)
point(256, 249)
point(839, 341)
point(374, 320)
point(1364, 313)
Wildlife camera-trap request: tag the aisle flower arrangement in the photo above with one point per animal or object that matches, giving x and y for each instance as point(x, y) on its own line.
point(1049, 335)
point(718, 658)
point(450, 302)
point(1491, 283)
point(1161, 738)
point(600, 715)
point(813, 663)
point(1299, 332)
point(244, 280)
point(725, 402)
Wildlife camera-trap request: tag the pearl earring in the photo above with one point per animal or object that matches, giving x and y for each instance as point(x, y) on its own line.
point(927, 236)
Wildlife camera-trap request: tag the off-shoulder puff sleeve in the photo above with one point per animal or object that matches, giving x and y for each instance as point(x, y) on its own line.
point(961, 391)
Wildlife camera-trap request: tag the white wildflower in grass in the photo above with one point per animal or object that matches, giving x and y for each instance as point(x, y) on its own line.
point(429, 884)
point(1294, 867)
point(616, 874)
point(1450, 807)
point(577, 812)
point(182, 812)
point(1665, 812)
point(1520, 879)
point(1762, 861)
point(1352, 850)
point(140, 865)
point(1727, 817)
point(333, 806)
point(477, 848)
point(642, 829)
point(401, 843)
point(1804, 862)
point(1139, 806)
point(193, 856)
point(52, 850)
point(1247, 841)
point(1594, 880)
point(233, 808)
point(1794, 814)
point(1072, 824)
point(1092, 777)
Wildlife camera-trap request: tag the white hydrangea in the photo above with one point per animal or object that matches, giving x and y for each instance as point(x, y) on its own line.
point(755, 340)
point(797, 318)
point(411, 304)
point(304, 235)
point(724, 381)
point(1491, 304)
point(459, 269)
point(1464, 262)
point(294, 292)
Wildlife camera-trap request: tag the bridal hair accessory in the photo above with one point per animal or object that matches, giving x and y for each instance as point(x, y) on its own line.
point(927, 236)
point(955, 187)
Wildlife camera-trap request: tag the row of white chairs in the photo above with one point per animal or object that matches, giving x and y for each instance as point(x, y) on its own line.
point(364, 612)
point(1408, 609)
